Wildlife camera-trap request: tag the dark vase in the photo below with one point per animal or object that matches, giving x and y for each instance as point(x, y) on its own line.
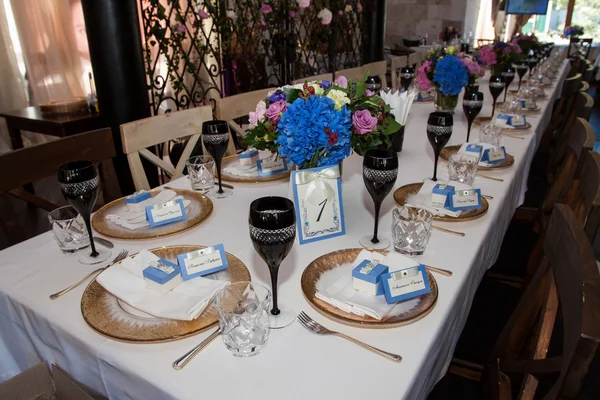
point(398, 139)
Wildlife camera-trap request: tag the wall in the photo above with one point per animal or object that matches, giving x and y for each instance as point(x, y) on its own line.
point(416, 17)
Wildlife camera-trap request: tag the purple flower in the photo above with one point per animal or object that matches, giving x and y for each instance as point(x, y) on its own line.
point(325, 84)
point(266, 9)
point(341, 81)
point(369, 93)
point(202, 14)
point(275, 110)
point(277, 96)
point(292, 13)
point(363, 122)
point(181, 28)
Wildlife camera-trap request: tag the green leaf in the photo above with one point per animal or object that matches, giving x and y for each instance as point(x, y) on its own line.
point(291, 94)
point(367, 74)
point(392, 127)
point(361, 88)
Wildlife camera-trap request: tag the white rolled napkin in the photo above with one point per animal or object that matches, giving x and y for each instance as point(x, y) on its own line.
point(137, 220)
point(340, 293)
point(423, 200)
point(186, 302)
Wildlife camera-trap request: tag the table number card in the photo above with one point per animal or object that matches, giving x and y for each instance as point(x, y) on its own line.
point(202, 262)
point(166, 213)
point(405, 284)
point(317, 194)
point(271, 166)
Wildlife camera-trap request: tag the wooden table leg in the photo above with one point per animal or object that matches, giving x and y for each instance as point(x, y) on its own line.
point(17, 143)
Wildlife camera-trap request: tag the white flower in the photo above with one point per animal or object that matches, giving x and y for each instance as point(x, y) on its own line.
point(318, 89)
point(339, 98)
point(259, 115)
point(325, 16)
point(303, 3)
point(232, 15)
point(348, 8)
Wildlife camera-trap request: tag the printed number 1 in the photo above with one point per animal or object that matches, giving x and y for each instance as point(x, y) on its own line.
point(324, 202)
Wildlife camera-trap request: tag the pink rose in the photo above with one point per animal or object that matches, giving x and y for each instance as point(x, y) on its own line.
point(363, 122)
point(266, 9)
point(359, 7)
point(202, 14)
point(422, 78)
point(341, 81)
point(488, 56)
point(275, 110)
point(303, 3)
point(258, 115)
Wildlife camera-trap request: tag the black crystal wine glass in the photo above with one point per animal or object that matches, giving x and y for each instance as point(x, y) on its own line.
point(522, 71)
point(80, 184)
point(497, 85)
point(215, 136)
point(380, 170)
point(472, 105)
point(373, 83)
point(407, 74)
point(532, 62)
point(509, 75)
point(439, 130)
point(272, 223)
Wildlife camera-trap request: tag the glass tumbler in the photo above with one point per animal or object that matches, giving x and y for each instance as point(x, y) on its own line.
point(244, 317)
point(201, 172)
point(411, 229)
point(490, 134)
point(69, 229)
point(462, 168)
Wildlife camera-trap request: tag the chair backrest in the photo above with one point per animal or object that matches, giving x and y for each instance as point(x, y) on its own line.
point(138, 136)
point(397, 63)
point(233, 107)
point(321, 77)
point(584, 197)
point(569, 278)
point(416, 59)
point(588, 74)
point(375, 69)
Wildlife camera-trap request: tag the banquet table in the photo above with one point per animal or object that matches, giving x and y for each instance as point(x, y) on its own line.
point(295, 363)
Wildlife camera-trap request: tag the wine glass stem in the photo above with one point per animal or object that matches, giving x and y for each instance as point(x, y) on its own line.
point(88, 225)
point(520, 79)
point(377, 208)
point(435, 162)
point(218, 162)
point(469, 123)
point(505, 93)
point(274, 271)
point(493, 108)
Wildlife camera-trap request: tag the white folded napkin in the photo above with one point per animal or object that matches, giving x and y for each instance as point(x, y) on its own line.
point(238, 170)
point(162, 197)
point(185, 302)
point(423, 200)
point(396, 261)
point(137, 220)
point(400, 103)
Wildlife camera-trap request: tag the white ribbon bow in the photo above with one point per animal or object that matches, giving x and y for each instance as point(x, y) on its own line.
point(318, 187)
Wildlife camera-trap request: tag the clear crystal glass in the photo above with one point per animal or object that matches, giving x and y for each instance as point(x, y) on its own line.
point(244, 317)
point(490, 133)
point(69, 229)
point(411, 228)
point(462, 168)
point(201, 172)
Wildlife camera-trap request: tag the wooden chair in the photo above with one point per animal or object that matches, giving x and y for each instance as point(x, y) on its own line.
point(31, 164)
point(397, 63)
point(375, 69)
point(321, 77)
point(567, 279)
point(577, 45)
point(233, 107)
point(138, 136)
point(416, 59)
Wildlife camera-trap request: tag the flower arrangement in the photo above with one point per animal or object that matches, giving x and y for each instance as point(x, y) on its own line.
point(449, 33)
point(500, 54)
point(317, 123)
point(574, 30)
point(475, 68)
point(526, 43)
point(445, 71)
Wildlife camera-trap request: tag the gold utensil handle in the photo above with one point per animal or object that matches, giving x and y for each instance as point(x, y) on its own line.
point(448, 231)
point(389, 356)
point(187, 357)
point(68, 289)
point(440, 271)
point(514, 136)
point(490, 177)
point(487, 197)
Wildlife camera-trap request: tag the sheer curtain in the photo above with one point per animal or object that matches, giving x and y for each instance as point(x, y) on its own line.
point(12, 95)
point(48, 41)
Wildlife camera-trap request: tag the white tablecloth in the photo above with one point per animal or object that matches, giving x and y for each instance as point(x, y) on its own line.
point(295, 364)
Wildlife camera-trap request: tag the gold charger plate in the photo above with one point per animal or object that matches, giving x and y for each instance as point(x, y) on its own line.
point(234, 160)
point(402, 193)
point(487, 120)
point(116, 320)
point(525, 110)
point(313, 272)
point(450, 150)
point(201, 208)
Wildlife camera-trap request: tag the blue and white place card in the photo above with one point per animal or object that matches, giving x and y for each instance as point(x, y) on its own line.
point(462, 200)
point(138, 197)
point(405, 284)
point(162, 276)
point(248, 158)
point(202, 262)
point(317, 195)
point(165, 213)
point(439, 194)
point(366, 277)
point(507, 120)
point(494, 155)
point(271, 166)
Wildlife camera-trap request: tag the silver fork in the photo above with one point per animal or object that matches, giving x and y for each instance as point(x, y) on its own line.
point(318, 329)
point(118, 258)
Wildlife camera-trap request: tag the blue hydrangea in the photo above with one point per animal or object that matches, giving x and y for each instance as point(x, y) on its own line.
point(302, 131)
point(451, 75)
